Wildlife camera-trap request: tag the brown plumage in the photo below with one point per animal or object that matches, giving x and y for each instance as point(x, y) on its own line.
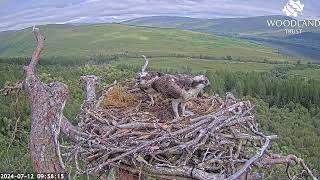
point(145, 79)
point(170, 86)
point(174, 86)
point(145, 84)
point(180, 88)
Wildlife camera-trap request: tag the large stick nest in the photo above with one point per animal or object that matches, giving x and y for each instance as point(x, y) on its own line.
point(220, 140)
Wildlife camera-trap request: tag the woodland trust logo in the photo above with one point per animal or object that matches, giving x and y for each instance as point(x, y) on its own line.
point(293, 9)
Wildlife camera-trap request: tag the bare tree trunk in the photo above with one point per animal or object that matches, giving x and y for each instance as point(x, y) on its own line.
point(47, 102)
point(90, 91)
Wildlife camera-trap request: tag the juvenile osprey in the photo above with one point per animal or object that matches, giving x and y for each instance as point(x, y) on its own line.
point(180, 88)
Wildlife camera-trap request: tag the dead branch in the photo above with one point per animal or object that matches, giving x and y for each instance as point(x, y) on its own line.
point(146, 62)
point(255, 158)
point(29, 70)
point(288, 159)
point(6, 90)
point(89, 86)
point(47, 102)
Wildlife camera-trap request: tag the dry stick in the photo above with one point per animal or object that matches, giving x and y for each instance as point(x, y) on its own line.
point(137, 125)
point(278, 159)
point(6, 91)
point(18, 118)
point(205, 154)
point(146, 61)
point(287, 171)
point(211, 115)
point(97, 117)
point(250, 162)
point(9, 89)
point(71, 131)
point(306, 168)
point(101, 166)
point(256, 157)
point(184, 145)
point(174, 172)
point(36, 54)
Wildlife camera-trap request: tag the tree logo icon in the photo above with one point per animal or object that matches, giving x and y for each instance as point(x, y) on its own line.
point(293, 8)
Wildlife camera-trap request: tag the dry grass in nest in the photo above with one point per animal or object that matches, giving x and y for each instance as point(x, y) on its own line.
point(117, 97)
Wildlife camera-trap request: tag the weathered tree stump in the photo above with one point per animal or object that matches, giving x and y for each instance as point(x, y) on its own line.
point(47, 102)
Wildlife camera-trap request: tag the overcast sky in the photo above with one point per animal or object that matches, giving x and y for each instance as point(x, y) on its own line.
point(18, 14)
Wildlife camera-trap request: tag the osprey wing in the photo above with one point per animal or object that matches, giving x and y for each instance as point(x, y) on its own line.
point(168, 86)
point(184, 81)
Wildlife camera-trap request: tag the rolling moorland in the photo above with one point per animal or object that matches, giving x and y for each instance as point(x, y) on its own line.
point(226, 26)
point(256, 29)
point(68, 40)
point(286, 90)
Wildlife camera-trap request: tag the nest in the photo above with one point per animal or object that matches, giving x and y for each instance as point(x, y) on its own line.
point(125, 131)
point(117, 97)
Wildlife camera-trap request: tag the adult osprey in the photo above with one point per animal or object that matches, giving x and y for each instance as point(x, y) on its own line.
point(180, 88)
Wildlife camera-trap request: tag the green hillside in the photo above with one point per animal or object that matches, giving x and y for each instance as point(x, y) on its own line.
point(163, 21)
point(255, 29)
point(253, 26)
point(229, 26)
point(106, 39)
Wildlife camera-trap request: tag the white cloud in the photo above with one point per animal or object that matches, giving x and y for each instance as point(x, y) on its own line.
point(75, 20)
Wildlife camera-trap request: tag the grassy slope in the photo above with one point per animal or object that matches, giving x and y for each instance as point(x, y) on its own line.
point(252, 28)
point(65, 40)
point(256, 25)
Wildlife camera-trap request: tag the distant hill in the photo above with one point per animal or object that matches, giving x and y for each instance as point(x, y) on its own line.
point(306, 36)
point(234, 26)
point(104, 39)
point(162, 21)
point(305, 45)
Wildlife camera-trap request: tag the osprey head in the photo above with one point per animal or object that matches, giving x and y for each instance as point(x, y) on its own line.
point(139, 78)
point(201, 79)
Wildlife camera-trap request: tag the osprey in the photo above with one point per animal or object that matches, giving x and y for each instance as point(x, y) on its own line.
point(180, 88)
